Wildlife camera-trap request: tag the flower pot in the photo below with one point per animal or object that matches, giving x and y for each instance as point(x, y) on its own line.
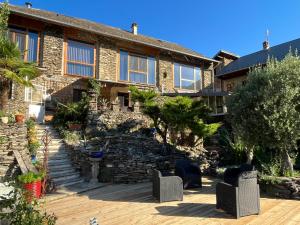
point(19, 118)
point(33, 159)
point(74, 126)
point(34, 190)
point(4, 119)
point(96, 154)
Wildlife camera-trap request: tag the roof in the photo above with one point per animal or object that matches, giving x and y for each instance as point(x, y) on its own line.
point(260, 58)
point(223, 53)
point(104, 30)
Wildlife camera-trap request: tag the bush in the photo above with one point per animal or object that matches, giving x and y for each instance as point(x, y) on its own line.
point(71, 137)
point(30, 177)
point(71, 112)
point(20, 211)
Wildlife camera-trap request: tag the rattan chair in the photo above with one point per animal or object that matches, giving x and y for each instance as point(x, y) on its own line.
point(167, 188)
point(239, 193)
point(189, 172)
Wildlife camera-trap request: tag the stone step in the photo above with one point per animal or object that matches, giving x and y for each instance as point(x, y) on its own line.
point(60, 167)
point(54, 147)
point(54, 157)
point(59, 161)
point(70, 183)
point(66, 179)
point(62, 173)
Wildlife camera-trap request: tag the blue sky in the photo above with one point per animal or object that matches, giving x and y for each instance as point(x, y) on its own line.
point(205, 26)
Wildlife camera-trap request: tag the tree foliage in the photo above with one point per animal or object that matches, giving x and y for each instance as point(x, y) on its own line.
point(264, 112)
point(12, 67)
point(182, 115)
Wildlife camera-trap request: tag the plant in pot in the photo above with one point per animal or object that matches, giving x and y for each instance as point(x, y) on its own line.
point(33, 146)
point(74, 125)
point(19, 117)
point(32, 183)
point(4, 117)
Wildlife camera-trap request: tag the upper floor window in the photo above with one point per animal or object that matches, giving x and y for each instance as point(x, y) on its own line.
point(27, 42)
point(187, 77)
point(80, 59)
point(137, 69)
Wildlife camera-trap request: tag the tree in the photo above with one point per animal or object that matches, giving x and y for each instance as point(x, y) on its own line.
point(12, 67)
point(265, 111)
point(182, 115)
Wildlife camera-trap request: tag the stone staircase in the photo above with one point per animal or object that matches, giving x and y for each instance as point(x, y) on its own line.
point(60, 166)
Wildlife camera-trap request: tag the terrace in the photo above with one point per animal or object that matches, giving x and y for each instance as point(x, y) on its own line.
point(134, 204)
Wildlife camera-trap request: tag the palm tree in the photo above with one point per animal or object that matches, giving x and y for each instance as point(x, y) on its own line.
point(12, 67)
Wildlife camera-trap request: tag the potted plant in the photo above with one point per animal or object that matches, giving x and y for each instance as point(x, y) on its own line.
point(4, 117)
point(32, 182)
point(19, 117)
point(33, 146)
point(74, 125)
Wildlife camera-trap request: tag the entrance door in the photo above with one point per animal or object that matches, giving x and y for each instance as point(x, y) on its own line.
point(124, 100)
point(35, 97)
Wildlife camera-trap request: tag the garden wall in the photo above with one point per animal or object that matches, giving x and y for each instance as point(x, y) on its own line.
point(13, 137)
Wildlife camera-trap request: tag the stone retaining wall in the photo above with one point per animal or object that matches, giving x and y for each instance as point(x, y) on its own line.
point(14, 137)
point(284, 187)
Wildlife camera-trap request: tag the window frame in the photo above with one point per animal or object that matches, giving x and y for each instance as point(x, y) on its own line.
point(137, 71)
point(25, 30)
point(66, 61)
point(183, 79)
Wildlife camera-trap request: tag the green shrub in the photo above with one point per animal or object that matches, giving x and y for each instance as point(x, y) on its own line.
point(33, 147)
point(141, 96)
point(30, 177)
point(30, 124)
point(265, 179)
point(20, 211)
point(3, 140)
point(75, 111)
point(2, 113)
point(71, 137)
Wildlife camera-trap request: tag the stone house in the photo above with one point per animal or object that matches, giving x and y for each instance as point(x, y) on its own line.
point(69, 50)
point(232, 69)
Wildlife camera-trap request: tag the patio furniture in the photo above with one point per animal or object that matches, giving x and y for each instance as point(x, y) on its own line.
point(239, 193)
point(189, 172)
point(167, 188)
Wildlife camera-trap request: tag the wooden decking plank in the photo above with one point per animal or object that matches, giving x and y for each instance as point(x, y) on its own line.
point(134, 204)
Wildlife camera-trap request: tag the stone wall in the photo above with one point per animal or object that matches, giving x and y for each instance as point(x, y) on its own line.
point(165, 75)
point(283, 187)
point(13, 137)
point(108, 59)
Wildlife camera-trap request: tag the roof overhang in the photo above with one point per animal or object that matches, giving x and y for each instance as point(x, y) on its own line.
point(66, 24)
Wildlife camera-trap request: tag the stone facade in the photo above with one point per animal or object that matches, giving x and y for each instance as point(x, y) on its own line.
point(61, 87)
point(12, 137)
point(165, 76)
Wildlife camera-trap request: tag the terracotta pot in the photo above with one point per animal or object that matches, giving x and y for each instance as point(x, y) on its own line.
point(49, 118)
point(75, 126)
point(4, 119)
point(34, 190)
point(19, 118)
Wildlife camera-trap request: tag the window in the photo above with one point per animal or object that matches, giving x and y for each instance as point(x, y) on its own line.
point(229, 86)
point(27, 42)
point(187, 77)
point(137, 69)
point(80, 59)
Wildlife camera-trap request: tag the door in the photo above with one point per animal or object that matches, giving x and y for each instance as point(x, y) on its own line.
point(35, 97)
point(124, 101)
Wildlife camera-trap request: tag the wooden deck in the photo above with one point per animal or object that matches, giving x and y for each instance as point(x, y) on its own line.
point(133, 204)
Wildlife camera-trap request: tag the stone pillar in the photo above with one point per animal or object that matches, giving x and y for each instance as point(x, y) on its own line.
point(115, 105)
point(93, 102)
point(137, 107)
point(95, 169)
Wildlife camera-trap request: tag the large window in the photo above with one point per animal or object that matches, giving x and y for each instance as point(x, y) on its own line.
point(187, 77)
point(27, 42)
point(80, 59)
point(137, 69)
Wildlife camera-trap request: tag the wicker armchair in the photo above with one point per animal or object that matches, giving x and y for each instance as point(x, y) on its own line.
point(239, 193)
point(168, 188)
point(189, 173)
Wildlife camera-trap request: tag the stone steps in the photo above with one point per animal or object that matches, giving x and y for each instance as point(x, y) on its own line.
point(60, 166)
